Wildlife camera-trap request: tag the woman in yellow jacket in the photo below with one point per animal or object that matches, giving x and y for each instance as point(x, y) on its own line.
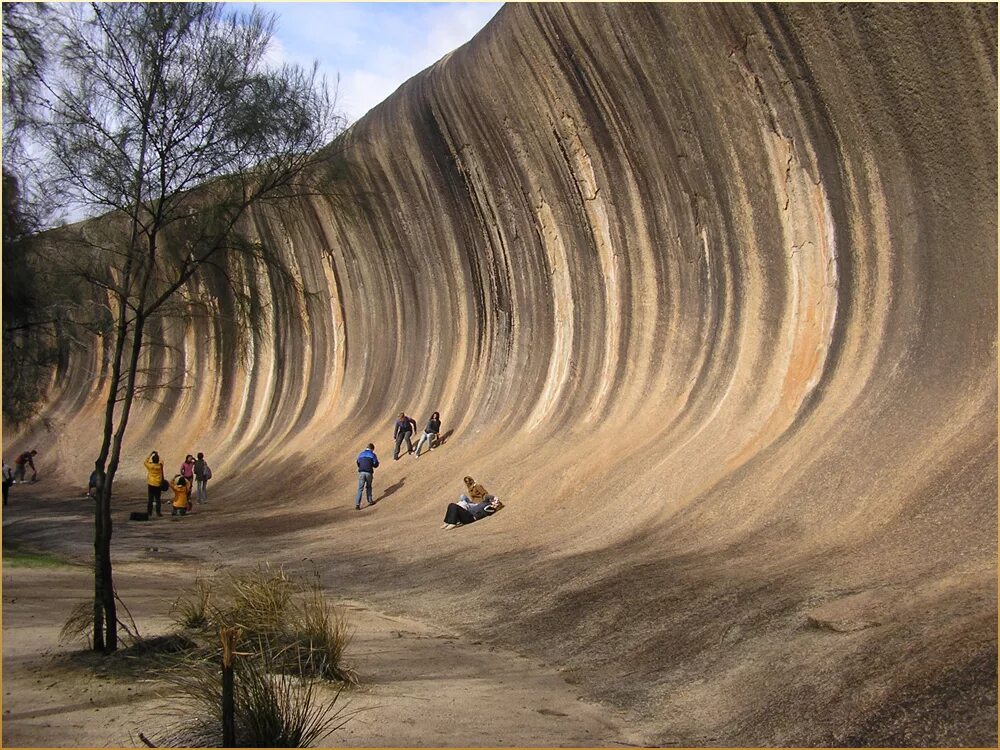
point(181, 489)
point(154, 483)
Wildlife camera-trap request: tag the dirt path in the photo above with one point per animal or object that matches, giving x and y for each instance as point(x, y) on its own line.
point(421, 685)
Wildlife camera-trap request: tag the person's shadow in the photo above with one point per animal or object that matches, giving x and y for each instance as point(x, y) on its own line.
point(392, 489)
point(443, 437)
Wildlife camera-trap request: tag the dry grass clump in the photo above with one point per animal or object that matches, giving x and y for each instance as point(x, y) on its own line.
point(192, 607)
point(79, 625)
point(274, 707)
point(277, 614)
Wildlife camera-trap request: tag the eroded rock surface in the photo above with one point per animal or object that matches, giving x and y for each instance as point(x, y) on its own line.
point(708, 295)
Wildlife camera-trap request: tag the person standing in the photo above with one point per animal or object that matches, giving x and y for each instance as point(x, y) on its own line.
point(8, 480)
point(405, 426)
point(96, 481)
point(154, 483)
point(367, 463)
point(430, 435)
point(187, 470)
point(202, 473)
point(22, 461)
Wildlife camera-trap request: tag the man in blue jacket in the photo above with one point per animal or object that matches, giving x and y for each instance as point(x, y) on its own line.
point(367, 463)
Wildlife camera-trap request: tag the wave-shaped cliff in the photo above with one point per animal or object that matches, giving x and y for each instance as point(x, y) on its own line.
point(708, 294)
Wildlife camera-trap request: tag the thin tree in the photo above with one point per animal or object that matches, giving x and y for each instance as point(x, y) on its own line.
point(166, 119)
point(28, 353)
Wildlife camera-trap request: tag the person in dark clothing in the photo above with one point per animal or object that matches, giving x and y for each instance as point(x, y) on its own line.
point(202, 473)
point(430, 435)
point(21, 463)
point(405, 426)
point(463, 512)
point(367, 463)
point(96, 481)
point(8, 480)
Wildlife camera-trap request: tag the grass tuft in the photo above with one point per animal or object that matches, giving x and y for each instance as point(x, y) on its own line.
point(16, 557)
point(276, 614)
point(275, 706)
point(191, 610)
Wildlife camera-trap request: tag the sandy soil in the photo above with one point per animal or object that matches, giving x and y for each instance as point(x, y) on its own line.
point(421, 685)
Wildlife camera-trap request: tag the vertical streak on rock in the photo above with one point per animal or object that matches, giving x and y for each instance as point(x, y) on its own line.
point(562, 314)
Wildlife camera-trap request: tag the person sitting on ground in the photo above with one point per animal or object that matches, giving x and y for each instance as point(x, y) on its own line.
point(25, 459)
point(154, 483)
point(477, 493)
point(430, 435)
point(181, 490)
point(461, 512)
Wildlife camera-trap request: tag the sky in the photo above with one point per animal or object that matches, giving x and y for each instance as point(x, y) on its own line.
point(374, 47)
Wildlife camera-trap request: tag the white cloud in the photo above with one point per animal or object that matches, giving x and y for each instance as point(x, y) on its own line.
point(374, 47)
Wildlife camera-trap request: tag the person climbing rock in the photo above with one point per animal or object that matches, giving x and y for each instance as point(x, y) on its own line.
point(405, 426)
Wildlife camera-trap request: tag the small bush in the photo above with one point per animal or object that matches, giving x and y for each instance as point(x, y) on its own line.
point(79, 626)
point(191, 610)
point(274, 706)
point(324, 635)
point(277, 615)
point(259, 601)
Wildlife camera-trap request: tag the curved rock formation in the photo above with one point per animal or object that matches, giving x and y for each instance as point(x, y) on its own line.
point(708, 295)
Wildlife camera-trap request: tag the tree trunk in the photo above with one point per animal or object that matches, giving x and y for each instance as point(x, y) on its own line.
point(105, 610)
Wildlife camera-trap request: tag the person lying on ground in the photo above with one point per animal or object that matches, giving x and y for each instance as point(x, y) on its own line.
point(181, 490)
point(458, 514)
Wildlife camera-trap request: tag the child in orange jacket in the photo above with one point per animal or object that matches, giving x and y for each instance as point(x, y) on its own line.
point(181, 489)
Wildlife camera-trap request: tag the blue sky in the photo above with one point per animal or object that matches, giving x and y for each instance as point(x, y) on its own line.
point(374, 47)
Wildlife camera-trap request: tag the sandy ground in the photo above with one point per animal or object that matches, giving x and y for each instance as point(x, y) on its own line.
point(421, 685)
